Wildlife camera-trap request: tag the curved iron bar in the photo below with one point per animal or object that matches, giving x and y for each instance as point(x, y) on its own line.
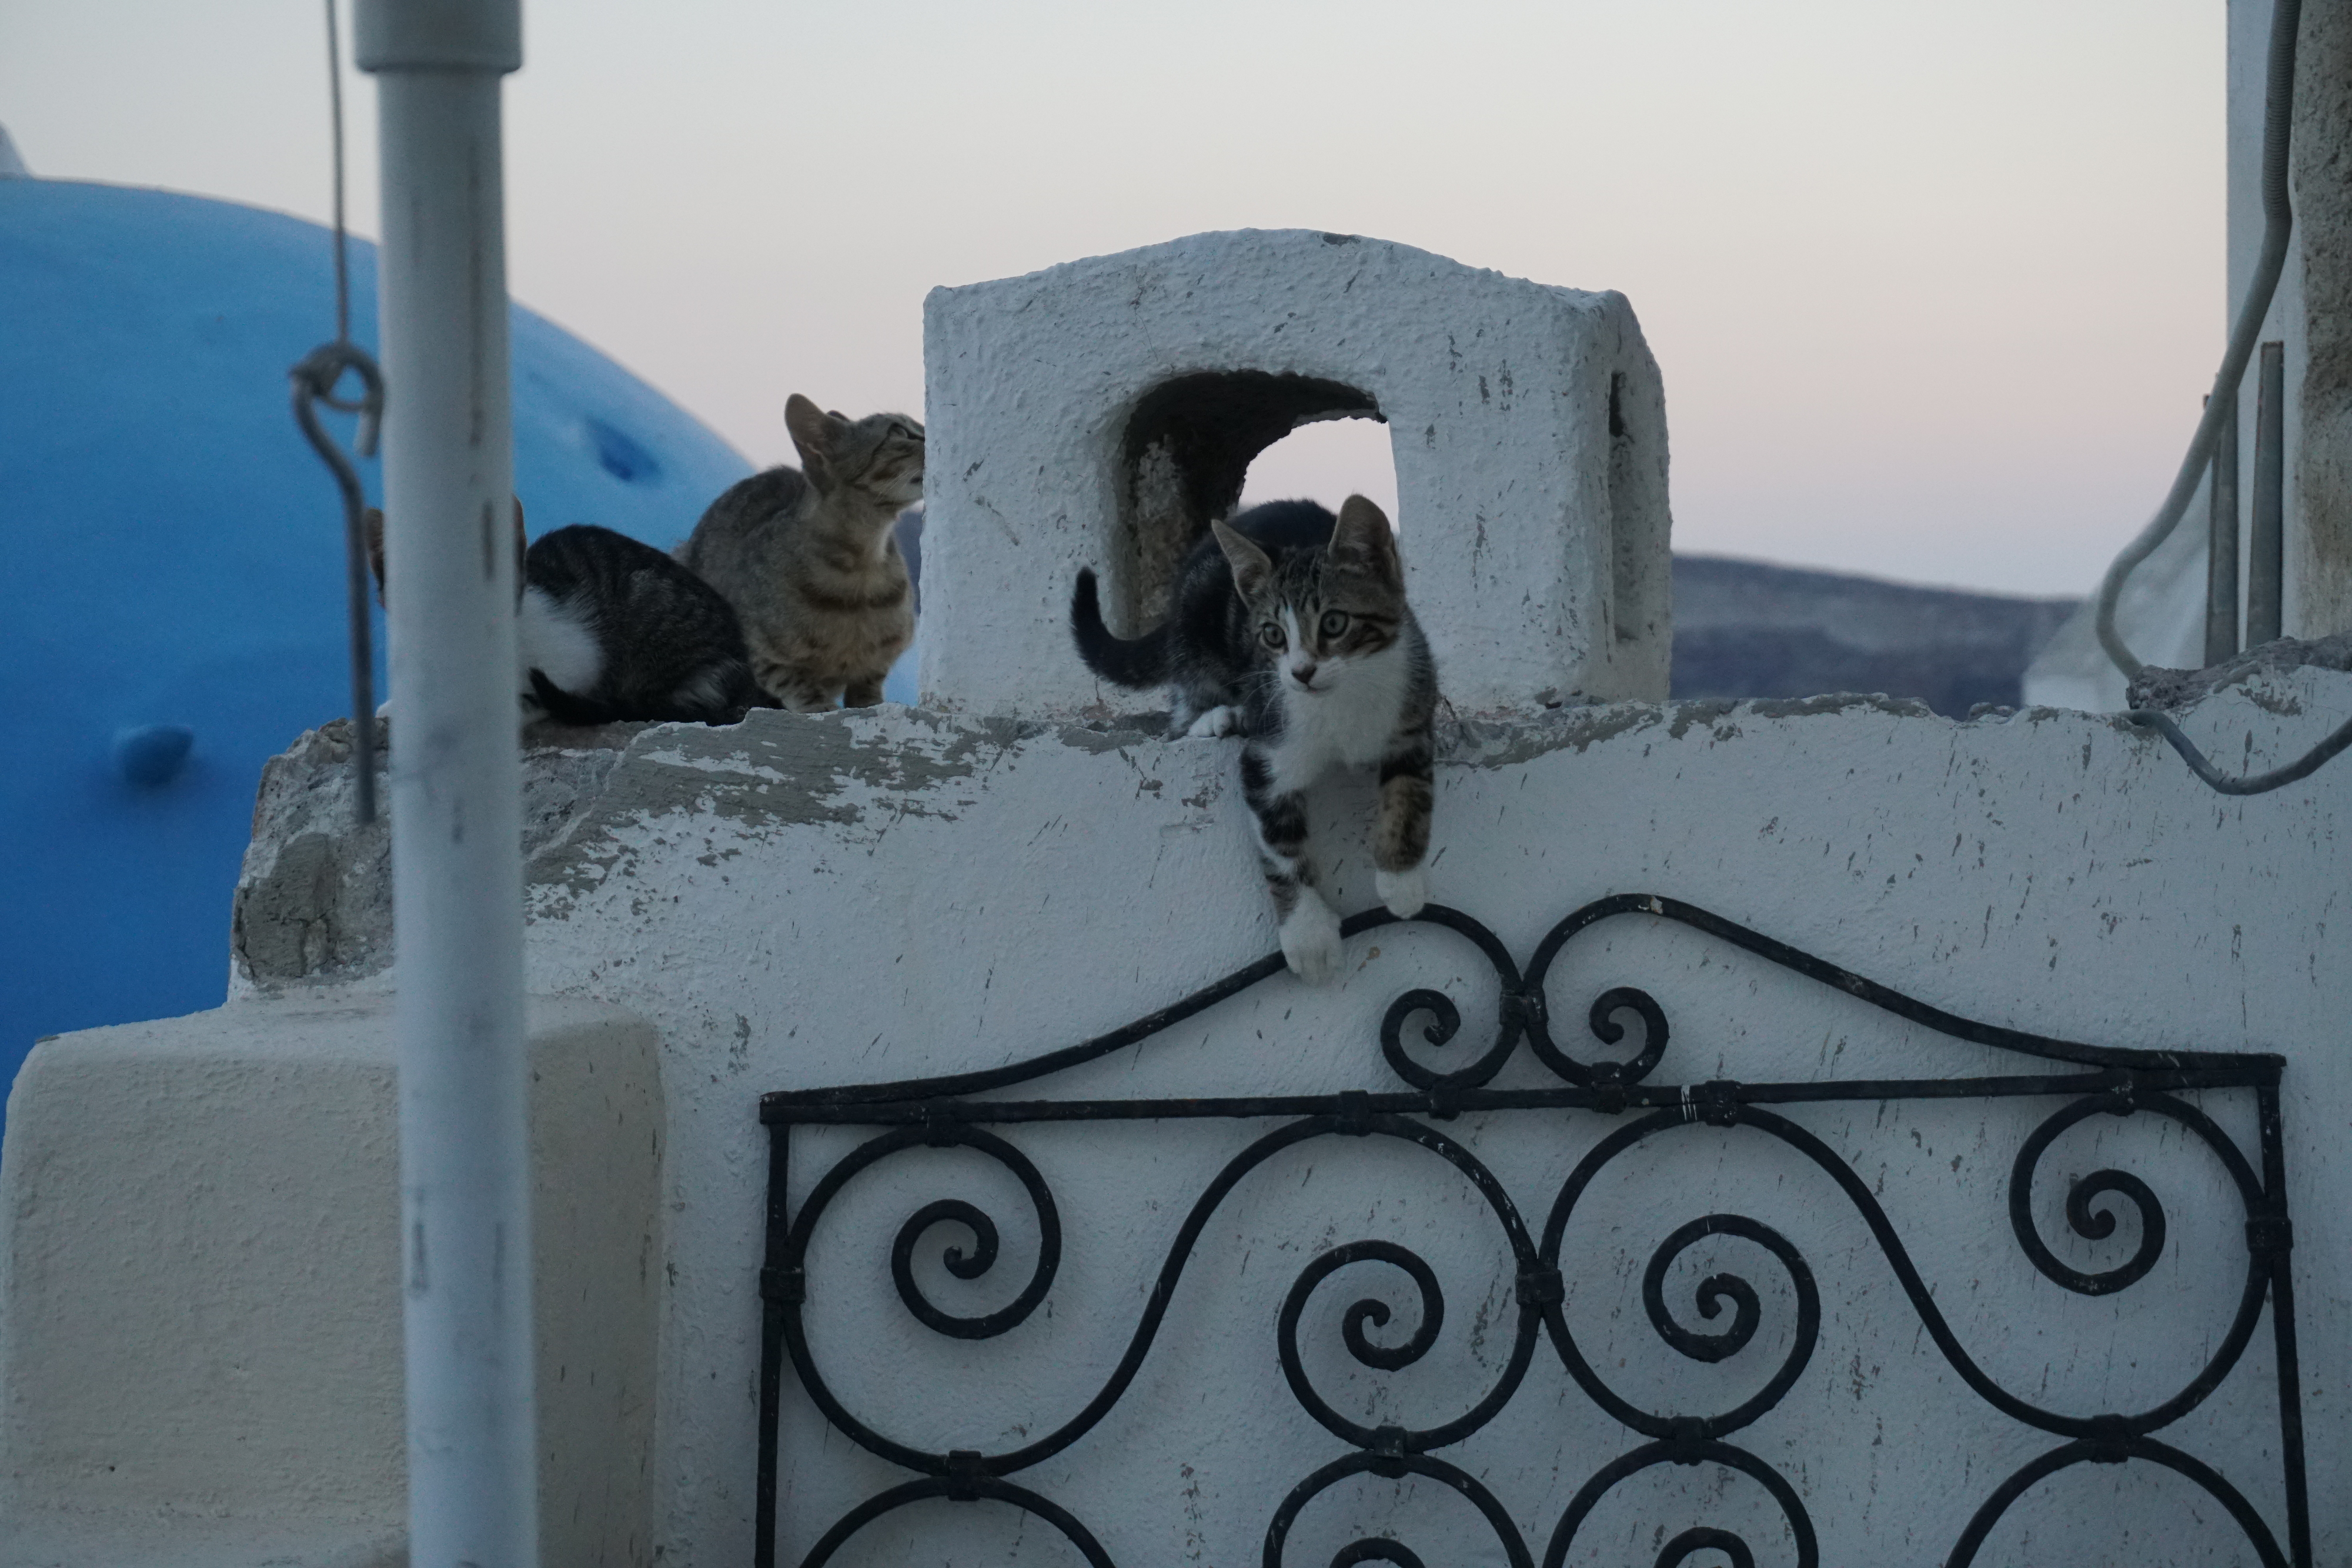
point(1164, 1291)
point(1388, 1358)
point(2225, 1356)
point(1395, 1467)
point(960, 1488)
point(1375, 1549)
point(2131, 1081)
point(1746, 1311)
point(983, 1258)
point(1523, 1008)
point(1884, 997)
point(314, 380)
point(1241, 979)
point(1701, 1538)
point(1687, 1451)
point(2096, 1224)
point(2114, 1451)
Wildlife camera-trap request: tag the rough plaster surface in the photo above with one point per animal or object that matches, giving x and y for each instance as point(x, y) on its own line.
point(313, 900)
point(2265, 665)
point(1527, 424)
point(200, 1332)
point(805, 900)
point(2323, 208)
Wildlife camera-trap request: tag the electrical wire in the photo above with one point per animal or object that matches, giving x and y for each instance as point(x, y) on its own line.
point(2278, 227)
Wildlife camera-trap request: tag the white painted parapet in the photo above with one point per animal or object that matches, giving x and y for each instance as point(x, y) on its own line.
point(200, 1291)
point(1100, 413)
point(802, 901)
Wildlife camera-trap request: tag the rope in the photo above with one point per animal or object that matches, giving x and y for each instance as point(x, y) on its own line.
point(314, 381)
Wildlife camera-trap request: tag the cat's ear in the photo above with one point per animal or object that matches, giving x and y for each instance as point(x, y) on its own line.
point(522, 544)
point(1252, 568)
point(816, 433)
point(372, 524)
point(1364, 541)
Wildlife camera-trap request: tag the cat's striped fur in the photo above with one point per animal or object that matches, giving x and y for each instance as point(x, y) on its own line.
point(1290, 628)
point(808, 559)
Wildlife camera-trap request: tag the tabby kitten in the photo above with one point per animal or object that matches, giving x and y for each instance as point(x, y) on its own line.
point(808, 559)
point(608, 629)
point(1290, 627)
point(613, 629)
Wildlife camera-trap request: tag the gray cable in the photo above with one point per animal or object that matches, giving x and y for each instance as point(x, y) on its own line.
point(2303, 767)
point(2278, 224)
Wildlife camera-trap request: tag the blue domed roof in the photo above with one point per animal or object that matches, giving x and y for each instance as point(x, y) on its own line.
point(172, 552)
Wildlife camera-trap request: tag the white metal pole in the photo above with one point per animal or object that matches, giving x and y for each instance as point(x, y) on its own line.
point(448, 467)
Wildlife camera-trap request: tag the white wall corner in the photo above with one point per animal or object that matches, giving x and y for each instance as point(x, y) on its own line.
point(1527, 424)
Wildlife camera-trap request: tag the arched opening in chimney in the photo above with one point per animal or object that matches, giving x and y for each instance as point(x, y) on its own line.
point(1327, 460)
point(1186, 456)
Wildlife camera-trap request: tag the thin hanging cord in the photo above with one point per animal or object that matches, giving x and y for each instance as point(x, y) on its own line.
point(335, 112)
point(315, 379)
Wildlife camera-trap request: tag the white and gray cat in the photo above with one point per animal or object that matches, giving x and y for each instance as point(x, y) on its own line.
point(808, 559)
point(1290, 628)
point(609, 629)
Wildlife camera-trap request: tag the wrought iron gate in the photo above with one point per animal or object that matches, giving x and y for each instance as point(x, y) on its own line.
point(963, 1109)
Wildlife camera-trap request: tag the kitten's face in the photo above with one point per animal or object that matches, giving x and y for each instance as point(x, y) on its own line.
point(880, 456)
point(1320, 616)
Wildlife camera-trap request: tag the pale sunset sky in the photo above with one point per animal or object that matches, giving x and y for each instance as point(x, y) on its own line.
point(1936, 285)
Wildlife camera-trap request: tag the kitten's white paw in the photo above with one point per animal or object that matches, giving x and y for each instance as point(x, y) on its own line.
point(1405, 892)
point(1216, 722)
point(1310, 940)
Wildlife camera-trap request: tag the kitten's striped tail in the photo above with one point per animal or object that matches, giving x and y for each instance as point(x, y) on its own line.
point(1139, 663)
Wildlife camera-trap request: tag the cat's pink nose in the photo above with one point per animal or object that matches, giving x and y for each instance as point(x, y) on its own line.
point(1304, 674)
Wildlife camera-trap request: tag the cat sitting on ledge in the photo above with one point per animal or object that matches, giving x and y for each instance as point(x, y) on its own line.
point(1290, 629)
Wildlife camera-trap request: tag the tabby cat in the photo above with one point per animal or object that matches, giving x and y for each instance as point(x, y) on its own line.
point(808, 559)
point(1290, 627)
point(608, 629)
point(613, 630)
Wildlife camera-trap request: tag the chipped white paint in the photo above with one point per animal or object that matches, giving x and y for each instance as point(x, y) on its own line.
point(1535, 541)
point(805, 900)
point(967, 896)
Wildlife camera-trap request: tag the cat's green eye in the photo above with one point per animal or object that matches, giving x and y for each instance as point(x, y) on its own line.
point(1334, 623)
point(1270, 635)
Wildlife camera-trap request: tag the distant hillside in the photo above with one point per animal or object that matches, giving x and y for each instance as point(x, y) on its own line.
point(1743, 628)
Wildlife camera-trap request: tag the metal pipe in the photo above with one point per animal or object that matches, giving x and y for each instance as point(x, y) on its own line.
point(2278, 226)
point(2266, 534)
point(2221, 544)
point(456, 778)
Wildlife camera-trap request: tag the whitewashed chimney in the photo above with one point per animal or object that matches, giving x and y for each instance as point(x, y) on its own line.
point(1099, 412)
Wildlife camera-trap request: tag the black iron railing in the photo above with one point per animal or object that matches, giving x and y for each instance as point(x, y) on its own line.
point(950, 1111)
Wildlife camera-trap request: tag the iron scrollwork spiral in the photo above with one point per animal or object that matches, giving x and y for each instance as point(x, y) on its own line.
point(1712, 1292)
point(2092, 1224)
point(1724, 1314)
point(1446, 1018)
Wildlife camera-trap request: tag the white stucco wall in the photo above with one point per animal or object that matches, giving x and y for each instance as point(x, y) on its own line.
point(200, 1314)
point(809, 900)
point(1535, 537)
point(885, 895)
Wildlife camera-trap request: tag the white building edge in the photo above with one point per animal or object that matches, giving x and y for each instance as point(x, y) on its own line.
point(200, 1251)
point(2162, 615)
